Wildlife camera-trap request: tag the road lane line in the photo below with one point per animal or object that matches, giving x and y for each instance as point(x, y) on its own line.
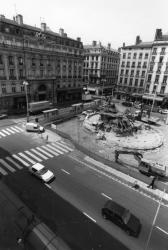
point(108, 197)
point(63, 170)
point(59, 147)
point(27, 158)
point(10, 131)
point(20, 129)
point(57, 150)
point(22, 161)
point(65, 146)
point(89, 217)
point(16, 130)
point(33, 156)
point(162, 230)
point(47, 185)
point(49, 150)
point(2, 134)
point(5, 164)
point(3, 171)
point(44, 152)
point(6, 132)
point(13, 162)
point(39, 154)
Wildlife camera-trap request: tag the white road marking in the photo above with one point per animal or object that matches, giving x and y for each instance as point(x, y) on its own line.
point(57, 150)
point(162, 230)
point(3, 171)
point(22, 161)
point(20, 129)
point(44, 152)
point(51, 151)
point(108, 197)
point(47, 185)
point(5, 164)
point(14, 163)
point(6, 132)
point(89, 217)
point(65, 146)
point(10, 130)
point(63, 170)
point(27, 158)
point(59, 147)
point(33, 156)
point(16, 130)
point(39, 154)
point(2, 134)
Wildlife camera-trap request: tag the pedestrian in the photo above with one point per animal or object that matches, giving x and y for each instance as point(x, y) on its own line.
point(152, 182)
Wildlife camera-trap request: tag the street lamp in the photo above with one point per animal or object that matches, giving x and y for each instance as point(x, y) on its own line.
point(154, 98)
point(27, 103)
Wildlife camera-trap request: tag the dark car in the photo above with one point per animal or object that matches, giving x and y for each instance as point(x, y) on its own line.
point(122, 217)
point(127, 104)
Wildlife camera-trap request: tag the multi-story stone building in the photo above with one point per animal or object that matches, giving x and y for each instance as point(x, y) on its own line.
point(50, 62)
point(101, 66)
point(133, 69)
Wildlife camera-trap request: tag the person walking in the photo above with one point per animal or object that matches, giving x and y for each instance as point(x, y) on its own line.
point(152, 182)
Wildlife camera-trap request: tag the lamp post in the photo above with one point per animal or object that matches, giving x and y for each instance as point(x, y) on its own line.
point(154, 98)
point(27, 103)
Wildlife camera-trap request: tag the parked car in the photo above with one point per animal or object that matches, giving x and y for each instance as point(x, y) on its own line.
point(41, 172)
point(127, 104)
point(122, 217)
point(34, 127)
point(163, 111)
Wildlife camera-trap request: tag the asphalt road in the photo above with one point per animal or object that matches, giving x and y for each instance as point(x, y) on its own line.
point(79, 220)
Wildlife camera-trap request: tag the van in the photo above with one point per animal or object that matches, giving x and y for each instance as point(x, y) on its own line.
point(34, 127)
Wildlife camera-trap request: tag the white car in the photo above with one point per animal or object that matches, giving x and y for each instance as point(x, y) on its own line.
point(34, 127)
point(163, 111)
point(41, 172)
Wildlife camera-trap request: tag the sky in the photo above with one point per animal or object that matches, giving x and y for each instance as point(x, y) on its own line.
point(107, 21)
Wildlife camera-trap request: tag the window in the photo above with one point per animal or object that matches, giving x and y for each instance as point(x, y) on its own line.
point(161, 59)
point(129, 55)
point(4, 89)
point(164, 79)
point(149, 78)
point(127, 71)
point(135, 55)
point(41, 73)
point(141, 83)
point(124, 55)
point(133, 64)
point(122, 72)
point(41, 62)
point(10, 60)
point(151, 68)
point(1, 60)
point(162, 90)
point(21, 73)
point(163, 51)
point(20, 60)
point(153, 59)
point(125, 80)
point(123, 64)
point(146, 55)
point(159, 69)
point(137, 73)
point(144, 64)
point(121, 79)
point(147, 88)
point(139, 64)
point(128, 64)
point(157, 79)
point(130, 82)
point(132, 72)
point(13, 89)
point(22, 88)
point(33, 62)
point(136, 82)
point(11, 73)
point(154, 51)
point(140, 55)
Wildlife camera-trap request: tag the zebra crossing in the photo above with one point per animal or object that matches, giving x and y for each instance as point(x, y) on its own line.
point(10, 131)
point(29, 157)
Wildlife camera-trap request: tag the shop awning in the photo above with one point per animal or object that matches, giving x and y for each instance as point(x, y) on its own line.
point(157, 98)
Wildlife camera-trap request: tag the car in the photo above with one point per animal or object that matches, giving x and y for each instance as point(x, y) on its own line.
point(122, 217)
point(163, 111)
point(41, 172)
point(34, 127)
point(127, 104)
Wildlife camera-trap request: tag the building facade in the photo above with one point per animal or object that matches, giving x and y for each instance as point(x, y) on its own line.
point(101, 66)
point(50, 62)
point(133, 70)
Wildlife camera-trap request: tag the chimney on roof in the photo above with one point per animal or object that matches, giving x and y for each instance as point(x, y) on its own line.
point(158, 34)
point(109, 46)
point(61, 32)
point(43, 26)
point(78, 39)
point(138, 40)
point(123, 44)
point(19, 19)
point(94, 43)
